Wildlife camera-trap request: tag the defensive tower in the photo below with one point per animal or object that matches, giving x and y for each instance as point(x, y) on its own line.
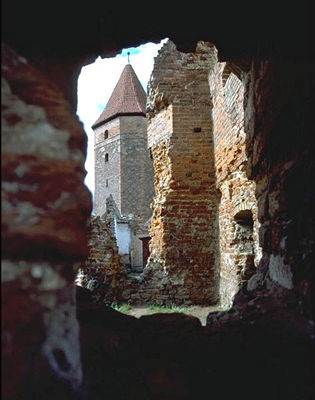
point(123, 167)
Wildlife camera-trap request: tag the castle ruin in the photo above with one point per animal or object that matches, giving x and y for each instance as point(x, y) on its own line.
point(56, 341)
point(194, 132)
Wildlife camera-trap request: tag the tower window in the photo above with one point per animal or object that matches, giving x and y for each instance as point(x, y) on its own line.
point(106, 157)
point(244, 218)
point(106, 183)
point(106, 134)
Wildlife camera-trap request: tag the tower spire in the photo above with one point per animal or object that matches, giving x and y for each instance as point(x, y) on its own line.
point(128, 97)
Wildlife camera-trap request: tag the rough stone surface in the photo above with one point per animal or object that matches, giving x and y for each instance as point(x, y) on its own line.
point(239, 244)
point(44, 209)
point(279, 150)
point(184, 224)
point(170, 356)
point(275, 141)
point(103, 273)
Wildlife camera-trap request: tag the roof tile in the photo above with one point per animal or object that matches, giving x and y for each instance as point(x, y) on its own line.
point(128, 97)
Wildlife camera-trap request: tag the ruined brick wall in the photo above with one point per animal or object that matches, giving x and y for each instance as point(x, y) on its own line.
point(105, 275)
point(239, 251)
point(280, 150)
point(103, 270)
point(184, 224)
point(45, 206)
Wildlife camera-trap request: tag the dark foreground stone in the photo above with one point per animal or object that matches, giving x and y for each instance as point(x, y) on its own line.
point(171, 356)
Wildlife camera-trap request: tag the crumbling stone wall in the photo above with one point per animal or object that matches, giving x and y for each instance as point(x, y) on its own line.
point(103, 271)
point(239, 247)
point(184, 232)
point(45, 206)
point(180, 138)
point(105, 275)
point(280, 146)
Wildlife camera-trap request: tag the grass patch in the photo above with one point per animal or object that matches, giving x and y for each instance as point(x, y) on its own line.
point(123, 308)
point(167, 308)
point(225, 308)
point(126, 308)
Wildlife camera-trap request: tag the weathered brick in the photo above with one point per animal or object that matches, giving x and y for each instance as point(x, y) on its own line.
point(238, 192)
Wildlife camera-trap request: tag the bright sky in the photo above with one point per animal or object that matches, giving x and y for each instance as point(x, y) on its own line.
point(96, 83)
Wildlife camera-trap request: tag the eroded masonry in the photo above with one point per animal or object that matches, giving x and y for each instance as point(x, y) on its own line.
point(203, 232)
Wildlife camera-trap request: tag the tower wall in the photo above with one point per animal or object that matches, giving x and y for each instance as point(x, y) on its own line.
point(107, 173)
point(136, 175)
point(128, 173)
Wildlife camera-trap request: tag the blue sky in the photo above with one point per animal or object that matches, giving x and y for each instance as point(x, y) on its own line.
point(96, 83)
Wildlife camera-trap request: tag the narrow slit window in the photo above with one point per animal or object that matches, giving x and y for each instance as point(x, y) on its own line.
point(106, 157)
point(106, 134)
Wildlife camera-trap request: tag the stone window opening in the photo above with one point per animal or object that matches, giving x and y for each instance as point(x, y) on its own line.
point(106, 182)
point(106, 157)
point(243, 243)
point(244, 218)
point(106, 134)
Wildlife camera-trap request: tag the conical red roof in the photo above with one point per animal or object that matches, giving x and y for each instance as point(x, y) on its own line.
point(127, 98)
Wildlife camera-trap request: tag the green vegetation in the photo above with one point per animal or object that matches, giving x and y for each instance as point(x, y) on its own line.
point(225, 308)
point(152, 308)
point(167, 308)
point(123, 308)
